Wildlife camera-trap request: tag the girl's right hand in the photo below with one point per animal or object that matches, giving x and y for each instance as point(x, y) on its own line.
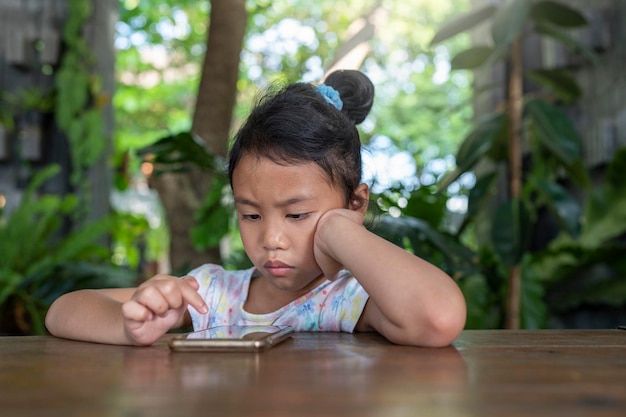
point(330, 223)
point(159, 305)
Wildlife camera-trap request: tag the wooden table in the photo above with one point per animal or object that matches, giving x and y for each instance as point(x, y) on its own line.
point(486, 373)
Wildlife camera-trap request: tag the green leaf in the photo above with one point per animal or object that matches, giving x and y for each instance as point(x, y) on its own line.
point(562, 204)
point(558, 14)
point(39, 179)
point(9, 280)
point(471, 58)
point(509, 20)
point(214, 226)
point(533, 308)
point(457, 257)
point(480, 140)
point(476, 293)
point(481, 193)
point(561, 82)
point(425, 203)
point(479, 143)
point(597, 280)
point(462, 23)
point(72, 95)
point(548, 29)
point(510, 230)
point(173, 152)
point(605, 217)
point(554, 131)
point(212, 219)
point(616, 169)
point(95, 140)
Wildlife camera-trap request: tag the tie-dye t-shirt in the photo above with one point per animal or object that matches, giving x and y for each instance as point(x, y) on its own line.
point(332, 306)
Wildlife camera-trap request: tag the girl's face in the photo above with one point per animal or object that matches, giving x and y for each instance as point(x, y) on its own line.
point(278, 209)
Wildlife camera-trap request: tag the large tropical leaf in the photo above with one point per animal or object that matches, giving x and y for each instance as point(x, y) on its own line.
point(481, 313)
point(509, 20)
point(9, 280)
point(471, 58)
point(554, 131)
point(561, 82)
point(477, 145)
point(598, 279)
point(481, 140)
point(616, 169)
point(175, 152)
point(553, 31)
point(462, 23)
point(458, 259)
point(558, 14)
point(425, 203)
point(606, 200)
point(510, 230)
point(605, 217)
point(482, 193)
point(562, 204)
point(533, 310)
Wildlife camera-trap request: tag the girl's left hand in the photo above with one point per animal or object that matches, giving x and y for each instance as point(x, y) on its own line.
point(330, 223)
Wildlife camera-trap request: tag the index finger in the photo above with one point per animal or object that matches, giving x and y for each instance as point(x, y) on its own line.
point(191, 296)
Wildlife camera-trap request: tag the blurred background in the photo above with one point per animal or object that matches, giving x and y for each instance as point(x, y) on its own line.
point(495, 147)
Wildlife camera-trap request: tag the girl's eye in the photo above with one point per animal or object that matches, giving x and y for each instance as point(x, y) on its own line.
point(298, 216)
point(250, 216)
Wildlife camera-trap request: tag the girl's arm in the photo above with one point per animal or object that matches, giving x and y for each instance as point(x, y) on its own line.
point(125, 316)
point(411, 301)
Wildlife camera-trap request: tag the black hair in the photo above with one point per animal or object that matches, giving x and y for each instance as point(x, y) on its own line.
point(297, 125)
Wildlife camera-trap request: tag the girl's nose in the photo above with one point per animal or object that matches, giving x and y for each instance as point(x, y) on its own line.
point(274, 238)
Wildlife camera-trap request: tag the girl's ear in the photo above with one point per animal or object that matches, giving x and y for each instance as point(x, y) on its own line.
point(360, 198)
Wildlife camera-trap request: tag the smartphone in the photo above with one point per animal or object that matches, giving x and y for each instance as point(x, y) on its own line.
point(231, 339)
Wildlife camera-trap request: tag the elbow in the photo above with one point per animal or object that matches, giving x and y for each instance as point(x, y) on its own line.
point(444, 328)
point(51, 320)
point(57, 321)
point(438, 328)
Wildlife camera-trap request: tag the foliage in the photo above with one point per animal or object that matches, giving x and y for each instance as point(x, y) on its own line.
point(160, 46)
point(6, 111)
point(180, 152)
point(589, 269)
point(43, 256)
point(40, 262)
point(555, 149)
point(78, 99)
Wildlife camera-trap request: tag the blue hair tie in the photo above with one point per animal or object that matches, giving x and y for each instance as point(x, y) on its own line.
point(330, 95)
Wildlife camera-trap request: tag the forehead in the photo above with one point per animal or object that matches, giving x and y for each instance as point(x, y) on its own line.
point(254, 174)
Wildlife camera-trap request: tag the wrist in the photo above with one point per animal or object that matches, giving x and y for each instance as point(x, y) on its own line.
point(335, 229)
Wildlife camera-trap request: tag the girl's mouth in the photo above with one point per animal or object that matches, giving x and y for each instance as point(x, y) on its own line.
point(277, 268)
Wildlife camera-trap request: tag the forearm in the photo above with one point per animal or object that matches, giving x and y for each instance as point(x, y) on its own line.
point(416, 301)
point(87, 315)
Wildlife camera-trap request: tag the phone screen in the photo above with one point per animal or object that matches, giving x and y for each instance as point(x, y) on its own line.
point(236, 332)
point(231, 338)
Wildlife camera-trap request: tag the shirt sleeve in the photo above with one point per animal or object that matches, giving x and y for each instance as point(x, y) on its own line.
point(345, 302)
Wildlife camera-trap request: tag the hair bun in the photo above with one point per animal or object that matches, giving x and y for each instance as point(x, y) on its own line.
point(356, 91)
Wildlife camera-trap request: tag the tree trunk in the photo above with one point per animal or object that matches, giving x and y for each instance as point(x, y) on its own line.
point(353, 50)
point(514, 107)
point(217, 92)
point(183, 193)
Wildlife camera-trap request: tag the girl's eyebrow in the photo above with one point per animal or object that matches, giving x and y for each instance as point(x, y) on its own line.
point(285, 203)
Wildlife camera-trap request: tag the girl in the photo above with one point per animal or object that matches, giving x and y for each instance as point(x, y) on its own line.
point(295, 172)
